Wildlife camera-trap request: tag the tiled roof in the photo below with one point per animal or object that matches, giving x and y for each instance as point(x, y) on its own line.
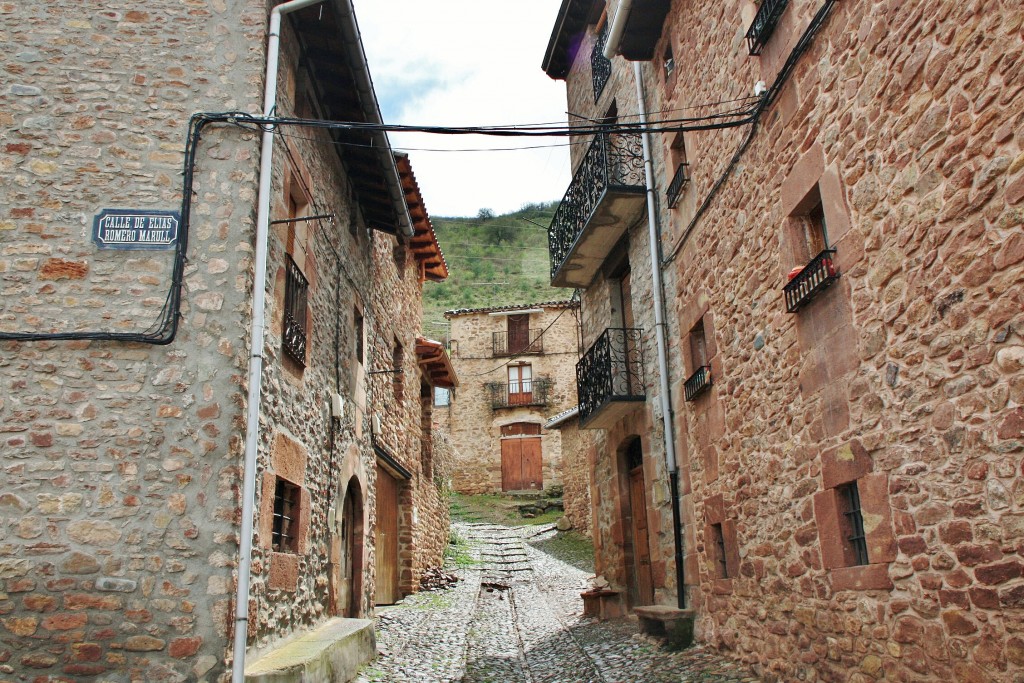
point(564, 416)
point(567, 303)
point(433, 358)
point(423, 244)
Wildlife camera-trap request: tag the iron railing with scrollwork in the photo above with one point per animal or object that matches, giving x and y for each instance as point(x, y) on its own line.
point(529, 392)
point(816, 276)
point(613, 160)
point(295, 292)
point(600, 66)
point(611, 370)
point(768, 15)
point(679, 181)
point(517, 343)
point(698, 383)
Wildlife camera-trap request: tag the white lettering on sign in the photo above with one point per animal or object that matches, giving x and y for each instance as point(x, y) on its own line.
point(137, 230)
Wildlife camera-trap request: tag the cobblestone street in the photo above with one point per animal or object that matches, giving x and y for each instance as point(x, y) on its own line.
point(516, 617)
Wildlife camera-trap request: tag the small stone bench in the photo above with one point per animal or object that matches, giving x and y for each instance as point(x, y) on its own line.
point(662, 620)
point(332, 652)
point(601, 603)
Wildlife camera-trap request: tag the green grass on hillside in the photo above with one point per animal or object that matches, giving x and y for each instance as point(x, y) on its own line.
point(492, 261)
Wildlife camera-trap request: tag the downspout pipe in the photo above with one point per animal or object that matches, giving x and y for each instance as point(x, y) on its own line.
point(611, 46)
point(258, 316)
point(668, 417)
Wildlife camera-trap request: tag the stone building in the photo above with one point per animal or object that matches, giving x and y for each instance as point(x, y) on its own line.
point(135, 241)
point(844, 272)
point(516, 365)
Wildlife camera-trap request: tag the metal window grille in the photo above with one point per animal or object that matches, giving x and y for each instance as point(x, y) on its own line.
point(719, 540)
point(698, 383)
point(284, 536)
point(767, 18)
point(296, 292)
point(856, 523)
point(817, 276)
point(517, 343)
point(679, 182)
point(600, 66)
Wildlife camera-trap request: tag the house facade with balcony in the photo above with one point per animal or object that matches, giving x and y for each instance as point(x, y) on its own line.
point(516, 364)
point(599, 243)
point(844, 273)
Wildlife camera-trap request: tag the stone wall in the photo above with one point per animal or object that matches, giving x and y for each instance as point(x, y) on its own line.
point(904, 377)
point(120, 475)
point(576, 468)
point(475, 426)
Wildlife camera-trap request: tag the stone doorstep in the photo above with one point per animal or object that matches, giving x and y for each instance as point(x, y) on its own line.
point(658, 619)
point(332, 652)
point(603, 604)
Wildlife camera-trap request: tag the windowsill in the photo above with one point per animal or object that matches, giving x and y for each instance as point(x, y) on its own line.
point(721, 586)
point(284, 571)
point(866, 577)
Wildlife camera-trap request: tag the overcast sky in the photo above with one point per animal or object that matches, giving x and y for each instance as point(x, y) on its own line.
point(469, 63)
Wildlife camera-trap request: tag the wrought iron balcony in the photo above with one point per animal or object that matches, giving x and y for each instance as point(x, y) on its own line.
point(609, 377)
point(761, 29)
point(815, 277)
point(605, 197)
point(518, 344)
point(530, 392)
point(679, 181)
point(698, 383)
point(293, 339)
point(600, 66)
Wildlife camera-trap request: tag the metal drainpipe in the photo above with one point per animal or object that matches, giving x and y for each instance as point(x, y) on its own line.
point(252, 426)
point(659, 327)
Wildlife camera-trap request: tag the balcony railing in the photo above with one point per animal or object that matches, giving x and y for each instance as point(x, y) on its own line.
point(698, 383)
point(530, 392)
point(679, 182)
point(607, 190)
point(600, 66)
point(768, 15)
point(610, 376)
point(817, 276)
point(517, 344)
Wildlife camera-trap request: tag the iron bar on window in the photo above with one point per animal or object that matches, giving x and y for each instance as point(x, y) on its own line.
point(761, 29)
point(815, 277)
point(856, 521)
point(723, 567)
point(295, 293)
point(679, 182)
point(286, 504)
point(698, 383)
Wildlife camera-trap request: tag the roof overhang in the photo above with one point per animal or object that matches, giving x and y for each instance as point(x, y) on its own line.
point(435, 363)
point(571, 22)
point(333, 55)
point(423, 245)
point(643, 29)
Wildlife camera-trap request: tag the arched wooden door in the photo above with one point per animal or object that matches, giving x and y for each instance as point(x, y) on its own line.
point(386, 548)
point(347, 577)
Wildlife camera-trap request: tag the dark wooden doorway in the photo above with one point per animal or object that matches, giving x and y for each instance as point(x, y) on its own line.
point(518, 333)
point(521, 462)
point(641, 589)
point(387, 539)
point(347, 556)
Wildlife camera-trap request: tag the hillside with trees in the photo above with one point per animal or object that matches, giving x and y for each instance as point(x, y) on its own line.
point(492, 260)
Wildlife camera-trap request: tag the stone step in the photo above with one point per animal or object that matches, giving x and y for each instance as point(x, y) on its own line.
point(332, 652)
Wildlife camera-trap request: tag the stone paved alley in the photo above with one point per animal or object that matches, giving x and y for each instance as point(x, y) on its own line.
point(516, 616)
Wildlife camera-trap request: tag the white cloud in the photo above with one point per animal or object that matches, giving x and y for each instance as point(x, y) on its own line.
point(469, 63)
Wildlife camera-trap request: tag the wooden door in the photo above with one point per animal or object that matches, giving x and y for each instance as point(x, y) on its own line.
point(644, 585)
point(522, 466)
point(520, 385)
point(387, 539)
point(518, 333)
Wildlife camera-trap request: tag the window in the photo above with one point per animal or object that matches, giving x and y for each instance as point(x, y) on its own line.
point(285, 530)
point(520, 384)
point(442, 396)
point(815, 230)
point(816, 271)
point(358, 325)
point(518, 333)
point(295, 309)
point(677, 153)
point(700, 379)
point(768, 14)
point(853, 525)
point(397, 365)
point(668, 62)
point(718, 541)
